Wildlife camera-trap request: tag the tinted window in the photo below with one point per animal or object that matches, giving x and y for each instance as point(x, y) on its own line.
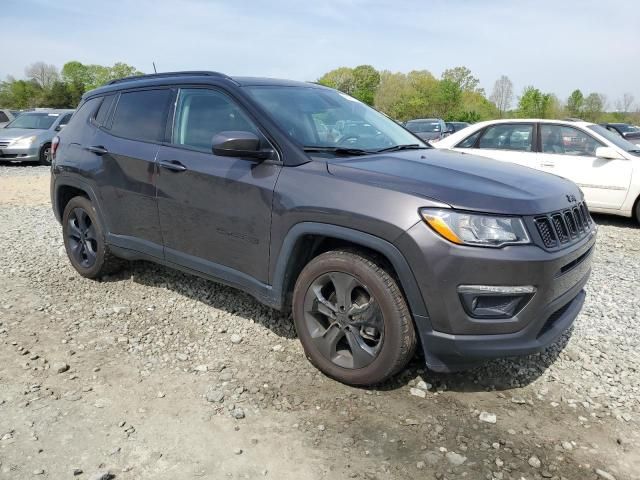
point(563, 140)
point(141, 115)
point(3, 117)
point(470, 141)
point(202, 113)
point(507, 137)
point(65, 119)
point(83, 113)
point(103, 111)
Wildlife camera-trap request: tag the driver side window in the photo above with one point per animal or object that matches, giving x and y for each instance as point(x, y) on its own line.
point(202, 113)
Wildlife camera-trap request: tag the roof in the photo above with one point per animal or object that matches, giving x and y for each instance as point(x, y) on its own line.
point(197, 76)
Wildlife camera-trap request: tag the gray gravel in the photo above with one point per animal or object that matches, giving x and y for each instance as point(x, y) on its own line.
point(246, 362)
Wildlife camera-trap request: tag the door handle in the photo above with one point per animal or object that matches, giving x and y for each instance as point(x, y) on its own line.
point(173, 165)
point(98, 149)
point(547, 164)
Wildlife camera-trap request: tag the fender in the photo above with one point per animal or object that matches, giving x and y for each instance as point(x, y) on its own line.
point(62, 180)
point(393, 255)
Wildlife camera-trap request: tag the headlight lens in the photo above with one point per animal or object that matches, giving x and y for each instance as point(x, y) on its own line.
point(476, 229)
point(23, 142)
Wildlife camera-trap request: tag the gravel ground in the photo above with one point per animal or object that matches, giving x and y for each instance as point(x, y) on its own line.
point(155, 374)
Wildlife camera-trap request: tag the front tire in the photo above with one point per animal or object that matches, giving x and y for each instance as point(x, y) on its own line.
point(45, 154)
point(352, 319)
point(84, 240)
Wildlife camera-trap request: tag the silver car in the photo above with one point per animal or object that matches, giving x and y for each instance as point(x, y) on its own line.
point(28, 137)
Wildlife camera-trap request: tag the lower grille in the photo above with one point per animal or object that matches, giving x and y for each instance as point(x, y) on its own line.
point(560, 227)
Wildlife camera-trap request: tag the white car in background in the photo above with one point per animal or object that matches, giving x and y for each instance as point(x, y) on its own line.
point(602, 163)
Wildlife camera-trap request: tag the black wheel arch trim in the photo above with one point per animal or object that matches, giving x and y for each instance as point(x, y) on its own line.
point(61, 181)
point(285, 260)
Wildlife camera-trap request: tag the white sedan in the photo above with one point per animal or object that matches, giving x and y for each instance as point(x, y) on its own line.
point(603, 164)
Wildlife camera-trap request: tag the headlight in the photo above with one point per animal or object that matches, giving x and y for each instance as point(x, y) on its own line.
point(476, 229)
point(23, 142)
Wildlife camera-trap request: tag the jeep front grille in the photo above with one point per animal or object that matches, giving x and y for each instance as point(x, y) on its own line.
point(563, 226)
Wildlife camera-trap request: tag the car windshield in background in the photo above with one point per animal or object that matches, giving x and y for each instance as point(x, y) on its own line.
point(627, 128)
point(616, 139)
point(423, 127)
point(328, 120)
point(35, 121)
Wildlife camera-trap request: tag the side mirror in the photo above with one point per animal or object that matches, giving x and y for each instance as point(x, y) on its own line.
point(60, 127)
point(450, 130)
point(239, 144)
point(608, 153)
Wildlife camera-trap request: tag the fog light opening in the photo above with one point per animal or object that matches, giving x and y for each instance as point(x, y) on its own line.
point(494, 302)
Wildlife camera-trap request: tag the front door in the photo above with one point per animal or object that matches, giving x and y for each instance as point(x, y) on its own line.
point(215, 211)
point(570, 152)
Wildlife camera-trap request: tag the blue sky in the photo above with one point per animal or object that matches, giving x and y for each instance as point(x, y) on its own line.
point(554, 45)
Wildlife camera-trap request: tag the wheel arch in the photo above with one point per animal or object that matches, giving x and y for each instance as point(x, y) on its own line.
point(64, 189)
point(306, 240)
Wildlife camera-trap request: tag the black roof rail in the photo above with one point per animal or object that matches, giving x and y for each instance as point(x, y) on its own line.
point(195, 73)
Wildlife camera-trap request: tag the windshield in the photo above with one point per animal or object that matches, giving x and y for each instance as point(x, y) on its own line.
point(37, 121)
point(616, 139)
point(627, 128)
point(324, 118)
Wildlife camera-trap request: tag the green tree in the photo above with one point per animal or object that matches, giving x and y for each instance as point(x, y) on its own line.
point(341, 79)
point(463, 78)
point(575, 102)
point(365, 83)
point(447, 100)
point(593, 107)
point(534, 104)
point(20, 93)
point(59, 96)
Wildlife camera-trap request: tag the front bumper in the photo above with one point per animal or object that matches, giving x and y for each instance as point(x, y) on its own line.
point(23, 154)
point(452, 339)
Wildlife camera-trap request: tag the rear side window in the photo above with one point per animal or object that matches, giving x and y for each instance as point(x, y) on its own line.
point(83, 113)
point(141, 115)
point(65, 119)
point(103, 112)
point(3, 117)
point(508, 137)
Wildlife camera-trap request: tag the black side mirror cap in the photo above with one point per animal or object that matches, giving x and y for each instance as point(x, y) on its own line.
point(239, 144)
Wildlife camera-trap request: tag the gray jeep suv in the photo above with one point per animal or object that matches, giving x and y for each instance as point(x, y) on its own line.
point(374, 241)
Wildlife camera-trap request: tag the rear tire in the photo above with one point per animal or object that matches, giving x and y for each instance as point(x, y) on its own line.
point(84, 240)
point(45, 154)
point(352, 319)
point(637, 210)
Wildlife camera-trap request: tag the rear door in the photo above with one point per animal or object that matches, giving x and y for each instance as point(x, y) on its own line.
point(570, 152)
point(215, 211)
point(508, 142)
point(127, 145)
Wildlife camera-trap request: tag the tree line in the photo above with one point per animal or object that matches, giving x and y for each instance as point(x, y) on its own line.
point(46, 86)
point(456, 95)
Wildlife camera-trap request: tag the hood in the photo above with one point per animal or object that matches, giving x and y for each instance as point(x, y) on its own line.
point(13, 133)
point(463, 181)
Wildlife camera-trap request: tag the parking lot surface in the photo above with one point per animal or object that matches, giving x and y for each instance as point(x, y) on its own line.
point(152, 373)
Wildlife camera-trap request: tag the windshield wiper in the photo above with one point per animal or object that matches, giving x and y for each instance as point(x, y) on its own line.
point(338, 150)
point(395, 148)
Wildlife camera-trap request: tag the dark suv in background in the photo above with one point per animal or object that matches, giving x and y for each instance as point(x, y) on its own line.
point(312, 201)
